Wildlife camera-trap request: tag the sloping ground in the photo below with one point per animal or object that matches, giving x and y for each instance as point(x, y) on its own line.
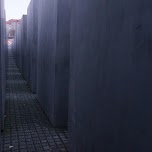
point(27, 128)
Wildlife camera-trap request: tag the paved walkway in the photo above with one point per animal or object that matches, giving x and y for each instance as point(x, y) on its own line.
point(27, 128)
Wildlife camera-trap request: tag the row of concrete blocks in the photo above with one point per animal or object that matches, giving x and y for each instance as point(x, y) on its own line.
point(3, 62)
point(45, 63)
point(108, 47)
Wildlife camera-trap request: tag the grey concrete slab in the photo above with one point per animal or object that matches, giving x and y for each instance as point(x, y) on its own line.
point(3, 49)
point(1, 38)
point(34, 46)
point(23, 44)
point(24, 47)
point(20, 45)
point(15, 44)
point(53, 59)
point(18, 49)
point(110, 76)
point(29, 40)
point(32, 30)
point(2, 62)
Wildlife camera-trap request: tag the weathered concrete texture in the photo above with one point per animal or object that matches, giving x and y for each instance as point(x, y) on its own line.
point(23, 44)
point(29, 41)
point(111, 76)
point(15, 44)
point(32, 30)
point(2, 63)
point(3, 54)
point(53, 59)
point(19, 46)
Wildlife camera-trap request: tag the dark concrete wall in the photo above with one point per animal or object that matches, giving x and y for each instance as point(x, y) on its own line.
point(34, 48)
point(1, 38)
point(19, 46)
point(111, 76)
point(29, 40)
point(23, 44)
point(24, 47)
point(3, 53)
point(19, 42)
point(14, 45)
point(53, 59)
point(2, 61)
point(32, 30)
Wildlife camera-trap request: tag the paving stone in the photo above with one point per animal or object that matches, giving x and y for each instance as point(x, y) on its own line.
point(27, 128)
